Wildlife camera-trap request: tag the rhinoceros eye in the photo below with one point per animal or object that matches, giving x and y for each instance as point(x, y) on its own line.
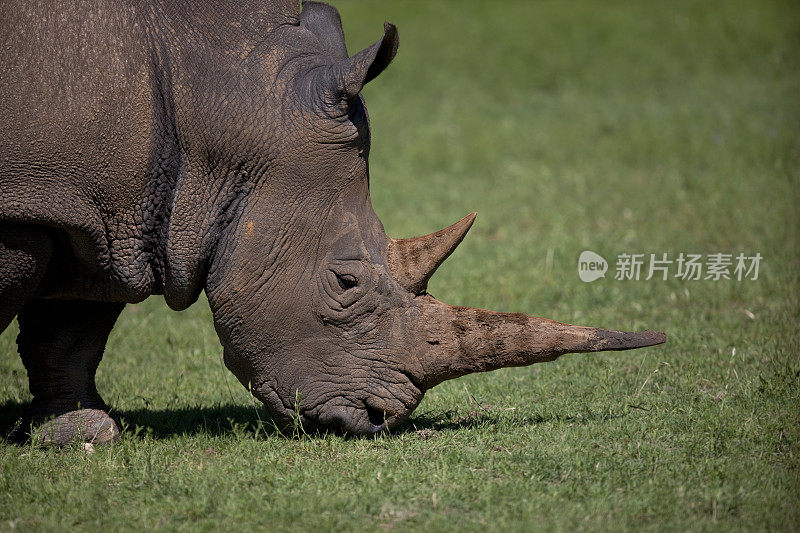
point(346, 281)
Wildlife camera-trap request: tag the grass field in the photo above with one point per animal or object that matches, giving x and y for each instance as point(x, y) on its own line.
point(638, 128)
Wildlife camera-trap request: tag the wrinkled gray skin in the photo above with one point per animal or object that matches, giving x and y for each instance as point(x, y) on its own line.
point(170, 147)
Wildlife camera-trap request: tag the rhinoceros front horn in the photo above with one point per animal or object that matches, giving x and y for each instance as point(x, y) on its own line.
point(412, 262)
point(463, 340)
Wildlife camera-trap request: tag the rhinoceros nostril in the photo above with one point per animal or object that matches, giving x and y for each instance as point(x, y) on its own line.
point(376, 416)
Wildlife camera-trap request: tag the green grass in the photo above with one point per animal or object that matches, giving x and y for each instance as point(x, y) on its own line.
point(614, 127)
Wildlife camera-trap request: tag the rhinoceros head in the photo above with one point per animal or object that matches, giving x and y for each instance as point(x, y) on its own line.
point(319, 312)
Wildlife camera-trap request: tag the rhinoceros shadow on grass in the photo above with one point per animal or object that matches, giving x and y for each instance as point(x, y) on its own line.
point(176, 147)
point(224, 420)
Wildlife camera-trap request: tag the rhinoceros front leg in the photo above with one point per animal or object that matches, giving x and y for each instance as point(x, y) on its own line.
point(24, 255)
point(61, 344)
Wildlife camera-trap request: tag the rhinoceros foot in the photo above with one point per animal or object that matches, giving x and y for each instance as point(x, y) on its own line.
point(79, 426)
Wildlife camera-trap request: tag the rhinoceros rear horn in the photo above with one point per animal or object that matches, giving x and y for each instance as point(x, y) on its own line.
point(412, 262)
point(347, 77)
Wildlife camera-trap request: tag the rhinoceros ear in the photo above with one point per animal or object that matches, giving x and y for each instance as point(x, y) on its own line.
point(348, 76)
point(323, 20)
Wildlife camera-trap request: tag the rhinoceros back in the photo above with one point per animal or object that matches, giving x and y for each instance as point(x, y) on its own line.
point(78, 138)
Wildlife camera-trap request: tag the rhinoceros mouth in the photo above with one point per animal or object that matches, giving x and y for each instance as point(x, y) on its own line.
point(340, 415)
point(355, 421)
